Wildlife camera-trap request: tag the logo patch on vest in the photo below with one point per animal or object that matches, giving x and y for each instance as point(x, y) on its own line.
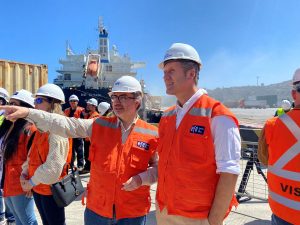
point(195, 129)
point(143, 145)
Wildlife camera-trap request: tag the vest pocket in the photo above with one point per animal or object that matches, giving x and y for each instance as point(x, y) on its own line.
point(139, 158)
point(192, 188)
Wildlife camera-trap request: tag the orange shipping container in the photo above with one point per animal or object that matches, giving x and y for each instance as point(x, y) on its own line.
point(15, 76)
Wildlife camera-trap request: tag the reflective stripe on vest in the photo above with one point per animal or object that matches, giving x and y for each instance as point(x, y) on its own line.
point(201, 112)
point(291, 153)
point(285, 201)
point(169, 113)
point(145, 131)
point(105, 123)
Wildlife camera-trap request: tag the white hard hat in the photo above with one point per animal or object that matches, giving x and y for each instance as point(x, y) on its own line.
point(286, 105)
point(24, 96)
point(92, 101)
point(52, 91)
point(103, 107)
point(73, 98)
point(127, 84)
point(296, 77)
point(181, 51)
point(4, 94)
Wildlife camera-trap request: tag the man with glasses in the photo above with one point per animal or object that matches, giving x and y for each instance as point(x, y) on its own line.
point(122, 154)
point(279, 149)
point(76, 111)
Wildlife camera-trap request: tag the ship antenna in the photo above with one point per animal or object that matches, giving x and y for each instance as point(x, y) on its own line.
point(100, 24)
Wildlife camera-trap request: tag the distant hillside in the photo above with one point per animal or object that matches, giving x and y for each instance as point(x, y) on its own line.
point(282, 90)
point(235, 94)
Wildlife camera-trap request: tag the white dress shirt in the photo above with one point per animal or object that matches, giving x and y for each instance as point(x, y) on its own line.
point(225, 134)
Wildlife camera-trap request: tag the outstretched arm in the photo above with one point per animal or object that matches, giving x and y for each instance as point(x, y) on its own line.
point(51, 122)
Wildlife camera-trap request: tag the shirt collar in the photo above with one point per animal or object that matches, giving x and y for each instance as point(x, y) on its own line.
point(191, 101)
point(120, 124)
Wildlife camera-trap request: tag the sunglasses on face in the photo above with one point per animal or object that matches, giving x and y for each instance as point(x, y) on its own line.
point(73, 101)
point(13, 103)
point(38, 101)
point(120, 98)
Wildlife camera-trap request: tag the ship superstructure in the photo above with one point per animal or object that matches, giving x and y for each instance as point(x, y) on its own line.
point(113, 65)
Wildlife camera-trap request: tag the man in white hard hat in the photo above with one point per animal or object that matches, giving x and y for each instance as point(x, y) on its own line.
point(278, 148)
point(89, 113)
point(122, 154)
point(77, 147)
point(199, 148)
point(285, 107)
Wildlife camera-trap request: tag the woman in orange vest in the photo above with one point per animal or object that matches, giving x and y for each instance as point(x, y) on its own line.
point(15, 137)
point(46, 159)
point(123, 155)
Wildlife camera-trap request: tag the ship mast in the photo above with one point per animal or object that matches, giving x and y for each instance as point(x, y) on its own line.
point(103, 42)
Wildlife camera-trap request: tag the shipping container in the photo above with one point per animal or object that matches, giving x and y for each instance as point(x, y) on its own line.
point(15, 76)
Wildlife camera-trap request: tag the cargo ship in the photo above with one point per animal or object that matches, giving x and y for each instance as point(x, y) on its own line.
point(92, 74)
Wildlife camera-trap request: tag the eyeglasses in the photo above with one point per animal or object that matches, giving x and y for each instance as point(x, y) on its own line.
point(38, 101)
point(13, 103)
point(73, 101)
point(121, 98)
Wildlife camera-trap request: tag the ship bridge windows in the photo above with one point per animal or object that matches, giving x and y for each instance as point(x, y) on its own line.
point(103, 41)
point(109, 68)
point(67, 76)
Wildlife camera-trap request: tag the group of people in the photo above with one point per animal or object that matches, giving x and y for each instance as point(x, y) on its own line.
point(30, 160)
point(80, 147)
point(193, 155)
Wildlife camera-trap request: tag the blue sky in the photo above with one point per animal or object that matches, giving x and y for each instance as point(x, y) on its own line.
point(237, 40)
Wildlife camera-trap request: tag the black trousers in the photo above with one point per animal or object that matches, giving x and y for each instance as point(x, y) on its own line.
point(87, 165)
point(78, 150)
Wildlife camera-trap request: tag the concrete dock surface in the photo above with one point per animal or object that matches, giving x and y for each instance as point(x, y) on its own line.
point(254, 212)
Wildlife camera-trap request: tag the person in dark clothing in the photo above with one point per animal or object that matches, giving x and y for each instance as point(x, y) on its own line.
point(77, 147)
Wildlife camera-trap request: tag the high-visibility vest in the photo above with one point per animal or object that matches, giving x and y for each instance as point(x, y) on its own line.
point(77, 112)
point(113, 163)
point(13, 166)
point(38, 155)
point(187, 167)
point(283, 139)
point(280, 111)
point(1, 119)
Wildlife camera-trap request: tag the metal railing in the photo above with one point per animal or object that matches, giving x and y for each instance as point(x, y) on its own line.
point(252, 183)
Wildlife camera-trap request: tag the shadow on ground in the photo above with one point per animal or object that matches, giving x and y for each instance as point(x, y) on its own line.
point(151, 220)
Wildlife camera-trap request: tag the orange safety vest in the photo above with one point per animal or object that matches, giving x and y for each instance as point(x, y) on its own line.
point(113, 163)
point(13, 166)
point(283, 139)
point(187, 167)
point(76, 113)
point(90, 116)
point(38, 155)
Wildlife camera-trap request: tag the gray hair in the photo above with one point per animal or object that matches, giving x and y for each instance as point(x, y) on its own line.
point(138, 96)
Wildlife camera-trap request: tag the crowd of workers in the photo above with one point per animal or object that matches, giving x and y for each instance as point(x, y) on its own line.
point(193, 155)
